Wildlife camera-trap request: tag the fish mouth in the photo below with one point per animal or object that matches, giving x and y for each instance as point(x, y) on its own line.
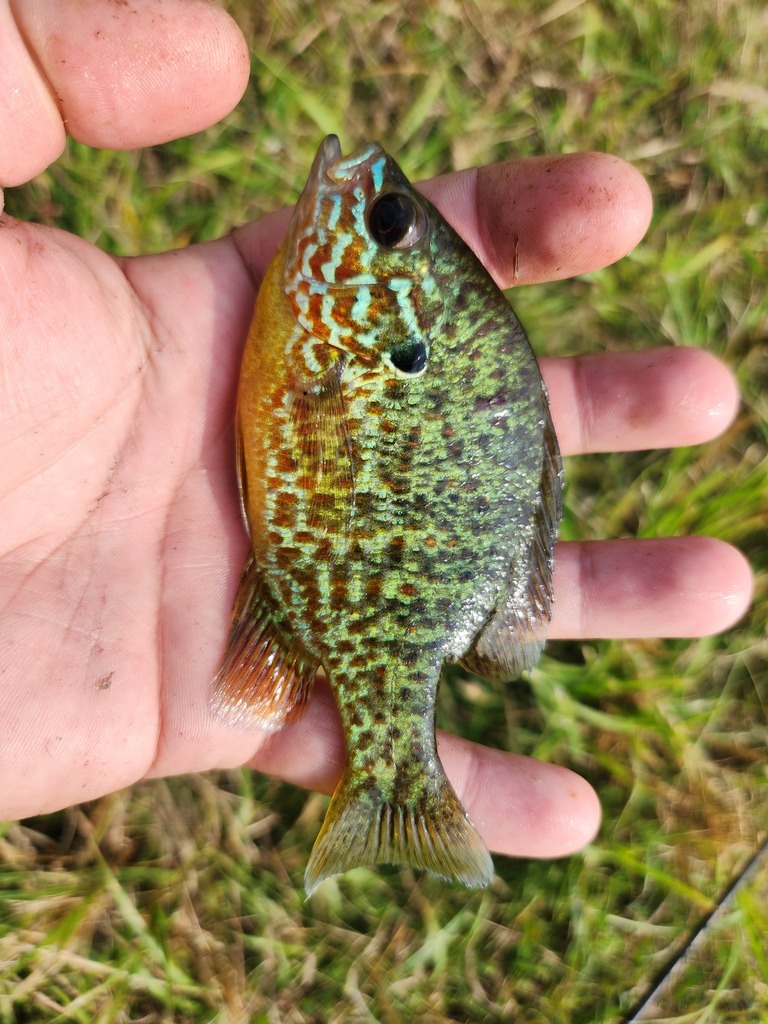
point(329, 168)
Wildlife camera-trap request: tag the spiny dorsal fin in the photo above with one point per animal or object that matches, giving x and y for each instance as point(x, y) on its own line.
point(266, 677)
point(512, 639)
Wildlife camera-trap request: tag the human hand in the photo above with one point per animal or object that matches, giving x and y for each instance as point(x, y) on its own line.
point(122, 543)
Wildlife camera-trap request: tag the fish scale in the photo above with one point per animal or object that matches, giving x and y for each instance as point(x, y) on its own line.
point(401, 483)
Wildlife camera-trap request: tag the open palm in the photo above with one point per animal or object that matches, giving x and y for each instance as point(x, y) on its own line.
point(121, 539)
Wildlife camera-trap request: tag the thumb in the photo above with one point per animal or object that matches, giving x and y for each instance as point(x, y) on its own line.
point(119, 76)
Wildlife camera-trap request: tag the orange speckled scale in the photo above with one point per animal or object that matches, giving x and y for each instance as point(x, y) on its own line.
point(401, 482)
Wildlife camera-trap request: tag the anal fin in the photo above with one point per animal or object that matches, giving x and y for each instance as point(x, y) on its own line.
point(266, 676)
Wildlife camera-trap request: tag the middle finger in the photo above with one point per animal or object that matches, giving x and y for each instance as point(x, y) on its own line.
point(630, 401)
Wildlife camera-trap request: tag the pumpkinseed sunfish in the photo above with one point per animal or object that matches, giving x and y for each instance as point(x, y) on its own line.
point(401, 482)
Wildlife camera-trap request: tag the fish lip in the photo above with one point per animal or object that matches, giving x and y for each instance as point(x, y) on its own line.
point(327, 156)
point(329, 168)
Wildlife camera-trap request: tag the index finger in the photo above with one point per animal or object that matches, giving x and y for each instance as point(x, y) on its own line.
point(546, 218)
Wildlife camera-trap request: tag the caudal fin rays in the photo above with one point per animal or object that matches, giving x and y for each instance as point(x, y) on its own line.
point(433, 833)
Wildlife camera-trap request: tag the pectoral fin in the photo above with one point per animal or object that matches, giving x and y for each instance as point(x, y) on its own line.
point(512, 639)
point(266, 676)
point(322, 447)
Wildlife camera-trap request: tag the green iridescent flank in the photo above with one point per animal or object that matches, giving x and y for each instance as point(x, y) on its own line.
point(408, 508)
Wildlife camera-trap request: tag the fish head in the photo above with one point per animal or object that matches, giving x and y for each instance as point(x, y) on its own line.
point(358, 260)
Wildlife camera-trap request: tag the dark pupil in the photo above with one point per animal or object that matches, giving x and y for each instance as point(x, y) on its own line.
point(390, 219)
point(409, 358)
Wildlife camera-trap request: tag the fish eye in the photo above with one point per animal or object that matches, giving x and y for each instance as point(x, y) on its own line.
point(410, 358)
point(395, 221)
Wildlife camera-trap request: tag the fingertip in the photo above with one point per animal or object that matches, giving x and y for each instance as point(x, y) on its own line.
point(710, 402)
point(637, 201)
point(30, 125)
point(132, 75)
point(698, 391)
point(565, 814)
point(726, 588)
point(586, 812)
point(602, 207)
point(521, 807)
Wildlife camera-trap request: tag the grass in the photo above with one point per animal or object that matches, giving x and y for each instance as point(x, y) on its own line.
point(181, 900)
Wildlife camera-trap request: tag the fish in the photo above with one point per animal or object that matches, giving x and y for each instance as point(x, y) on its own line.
point(400, 480)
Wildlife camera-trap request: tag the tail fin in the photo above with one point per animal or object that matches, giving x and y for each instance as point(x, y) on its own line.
point(433, 832)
